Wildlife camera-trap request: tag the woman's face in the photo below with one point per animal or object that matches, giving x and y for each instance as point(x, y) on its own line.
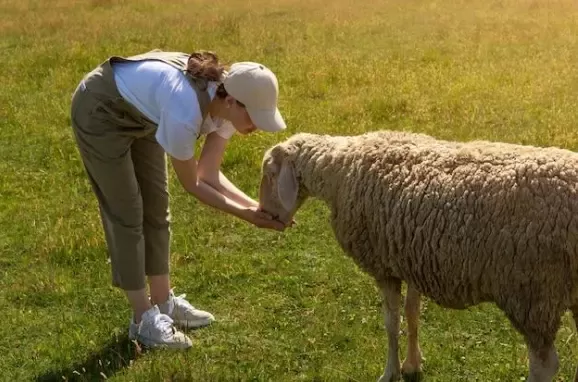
point(239, 117)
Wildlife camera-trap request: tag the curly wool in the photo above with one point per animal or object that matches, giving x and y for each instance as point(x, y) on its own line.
point(463, 223)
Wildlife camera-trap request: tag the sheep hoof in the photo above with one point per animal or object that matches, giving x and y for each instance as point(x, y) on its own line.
point(411, 368)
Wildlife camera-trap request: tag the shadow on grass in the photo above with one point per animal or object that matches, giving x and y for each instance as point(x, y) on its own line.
point(113, 357)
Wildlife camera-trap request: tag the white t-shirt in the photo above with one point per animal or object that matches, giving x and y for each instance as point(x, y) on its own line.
point(164, 95)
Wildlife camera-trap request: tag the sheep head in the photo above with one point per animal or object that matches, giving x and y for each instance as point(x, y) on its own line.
point(279, 188)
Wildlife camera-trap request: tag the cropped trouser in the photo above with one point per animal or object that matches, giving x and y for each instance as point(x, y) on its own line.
point(128, 173)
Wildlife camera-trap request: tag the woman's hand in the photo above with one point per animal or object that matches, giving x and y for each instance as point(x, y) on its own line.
point(187, 174)
point(262, 219)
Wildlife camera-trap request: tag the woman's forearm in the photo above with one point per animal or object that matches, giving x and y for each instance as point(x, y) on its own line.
point(199, 187)
point(227, 188)
point(205, 193)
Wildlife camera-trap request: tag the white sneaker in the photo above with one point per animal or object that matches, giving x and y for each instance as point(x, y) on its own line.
point(157, 330)
point(184, 314)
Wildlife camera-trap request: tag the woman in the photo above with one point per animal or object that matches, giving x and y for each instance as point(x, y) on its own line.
point(126, 115)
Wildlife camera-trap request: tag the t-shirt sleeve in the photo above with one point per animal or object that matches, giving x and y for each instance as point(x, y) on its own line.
point(180, 118)
point(226, 130)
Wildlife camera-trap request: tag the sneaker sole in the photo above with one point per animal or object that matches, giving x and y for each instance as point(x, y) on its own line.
point(193, 324)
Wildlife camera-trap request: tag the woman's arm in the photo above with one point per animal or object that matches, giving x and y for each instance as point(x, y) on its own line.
point(188, 177)
point(187, 174)
point(209, 171)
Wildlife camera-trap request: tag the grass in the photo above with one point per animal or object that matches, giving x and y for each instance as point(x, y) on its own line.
point(290, 307)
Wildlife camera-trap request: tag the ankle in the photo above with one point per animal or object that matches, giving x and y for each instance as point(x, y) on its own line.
point(160, 288)
point(166, 307)
point(137, 318)
point(138, 314)
point(159, 299)
point(139, 303)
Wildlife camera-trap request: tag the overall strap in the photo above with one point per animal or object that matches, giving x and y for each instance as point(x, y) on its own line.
point(175, 59)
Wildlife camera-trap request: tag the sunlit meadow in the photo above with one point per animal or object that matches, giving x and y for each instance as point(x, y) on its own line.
point(289, 306)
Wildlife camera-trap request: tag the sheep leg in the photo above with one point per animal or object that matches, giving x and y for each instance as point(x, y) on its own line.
point(391, 291)
point(539, 326)
point(536, 316)
point(574, 310)
point(543, 364)
point(411, 368)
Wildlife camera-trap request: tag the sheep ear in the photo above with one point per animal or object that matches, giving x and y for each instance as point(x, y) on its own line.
point(287, 186)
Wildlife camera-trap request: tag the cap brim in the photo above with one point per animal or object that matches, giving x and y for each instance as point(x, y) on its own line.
point(267, 120)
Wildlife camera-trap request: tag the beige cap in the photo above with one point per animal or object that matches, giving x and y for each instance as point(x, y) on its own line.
point(256, 87)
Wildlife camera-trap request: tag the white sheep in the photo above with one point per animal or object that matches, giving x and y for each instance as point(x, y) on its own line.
point(460, 223)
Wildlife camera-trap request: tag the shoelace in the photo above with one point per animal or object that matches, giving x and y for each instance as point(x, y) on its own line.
point(164, 323)
point(181, 301)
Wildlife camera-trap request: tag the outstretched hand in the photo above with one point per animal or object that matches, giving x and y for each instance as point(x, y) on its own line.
point(262, 219)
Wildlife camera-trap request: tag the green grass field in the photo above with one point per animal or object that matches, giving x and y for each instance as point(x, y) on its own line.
point(290, 306)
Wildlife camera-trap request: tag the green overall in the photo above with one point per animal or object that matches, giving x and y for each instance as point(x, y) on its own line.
point(127, 170)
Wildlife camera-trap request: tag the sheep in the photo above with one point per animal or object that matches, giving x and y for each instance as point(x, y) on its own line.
point(460, 223)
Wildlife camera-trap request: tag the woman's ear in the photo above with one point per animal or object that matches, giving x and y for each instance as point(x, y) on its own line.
point(287, 187)
point(229, 101)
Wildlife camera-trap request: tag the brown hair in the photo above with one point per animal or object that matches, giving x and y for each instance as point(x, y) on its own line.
point(205, 64)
